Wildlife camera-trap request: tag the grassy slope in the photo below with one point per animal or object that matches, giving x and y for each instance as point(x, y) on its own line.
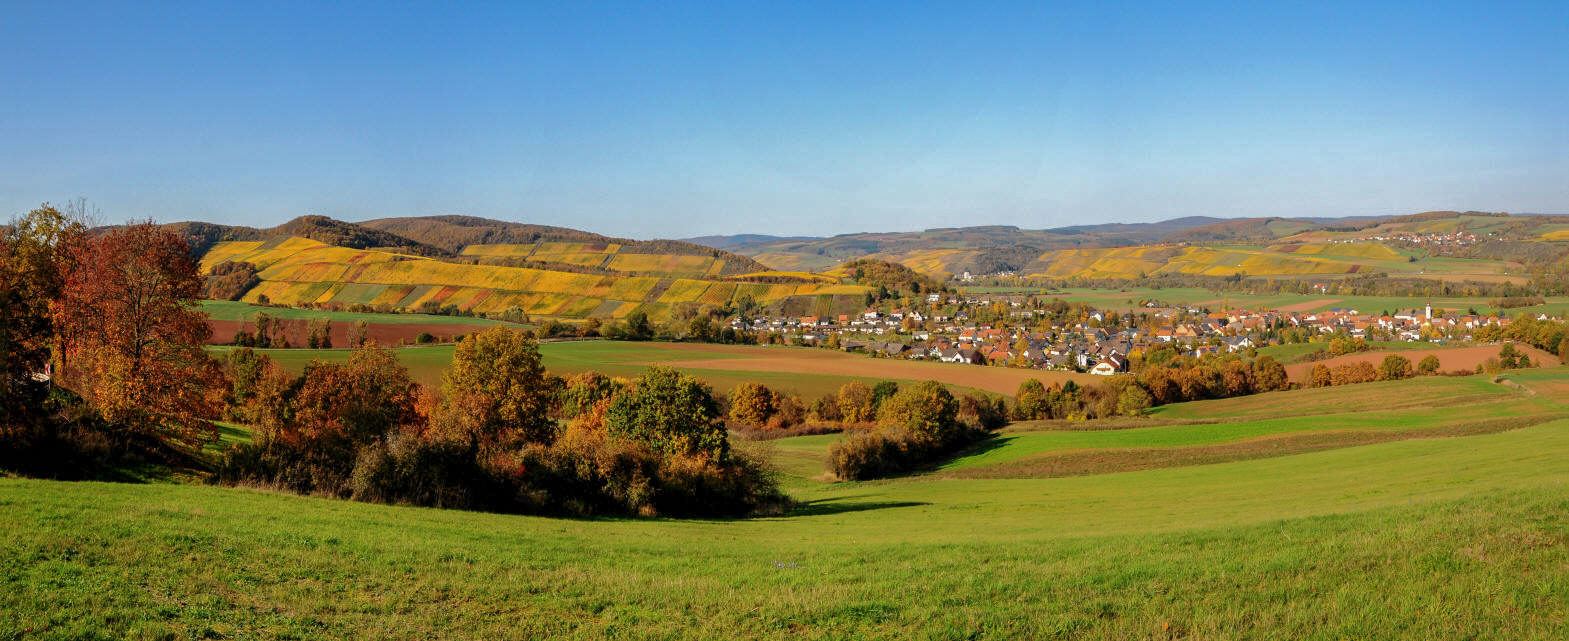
point(1436, 538)
point(1423, 539)
point(1289, 353)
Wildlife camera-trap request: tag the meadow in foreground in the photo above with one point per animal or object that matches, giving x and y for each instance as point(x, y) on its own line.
point(1461, 537)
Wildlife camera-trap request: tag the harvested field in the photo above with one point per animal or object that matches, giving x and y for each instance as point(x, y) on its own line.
point(1449, 359)
point(1000, 380)
point(1308, 306)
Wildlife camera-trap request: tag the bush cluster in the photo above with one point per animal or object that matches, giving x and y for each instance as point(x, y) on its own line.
point(494, 438)
point(915, 427)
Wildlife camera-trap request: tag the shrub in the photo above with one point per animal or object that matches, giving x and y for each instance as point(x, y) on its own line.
point(1428, 366)
point(1395, 367)
point(983, 412)
point(873, 454)
point(918, 425)
point(670, 412)
point(425, 338)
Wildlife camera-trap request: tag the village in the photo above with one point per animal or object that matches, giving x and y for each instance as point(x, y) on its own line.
point(1097, 342)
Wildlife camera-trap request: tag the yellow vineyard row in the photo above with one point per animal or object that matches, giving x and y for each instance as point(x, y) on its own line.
point(299, 271)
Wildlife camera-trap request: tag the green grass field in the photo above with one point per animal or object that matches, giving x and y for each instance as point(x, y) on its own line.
point(1288, 353)
point(1420, 538)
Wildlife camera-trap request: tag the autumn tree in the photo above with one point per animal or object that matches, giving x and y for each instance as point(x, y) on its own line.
point(1030, 402)
point(1161, 384)
point(1268, 374)
point(1237, 378)
point(498, 386)
point(131, 338)
point(1133, 400)
point(246, 369)
point(926, 410)
point(1395, 367)
point(826, 408)
point(855, 403)
point(672, 413)
point(882, 391)
point(1320, 376)
point(318, 334)
point(581, 392)
point(753, 404)
point(1428, 366)
point(359, 334)
point(338, 408)
point(1352, 373)
point(33, 254)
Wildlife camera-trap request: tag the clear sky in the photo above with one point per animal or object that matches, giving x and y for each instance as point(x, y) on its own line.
point(657, 119)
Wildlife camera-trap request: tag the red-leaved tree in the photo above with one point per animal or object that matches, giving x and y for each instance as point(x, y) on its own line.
point(131, 339)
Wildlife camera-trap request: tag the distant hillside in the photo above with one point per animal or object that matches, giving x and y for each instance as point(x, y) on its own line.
point(202, 236)
point(301, 271)
point(1253, 230)
point(1140, 232)
point(954, 250)
point(737, 240)
point(509, 243)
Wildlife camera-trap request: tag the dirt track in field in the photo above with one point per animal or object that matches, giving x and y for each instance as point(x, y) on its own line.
point(1002, 380)
point(1109, 461)
point(1448, 359)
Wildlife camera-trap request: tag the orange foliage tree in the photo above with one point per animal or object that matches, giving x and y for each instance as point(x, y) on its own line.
point(30, 278)
point(340, 407)
point(498, 387)
point(131, 340)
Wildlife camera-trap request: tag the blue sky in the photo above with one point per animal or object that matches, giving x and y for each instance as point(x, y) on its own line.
point(670, 120)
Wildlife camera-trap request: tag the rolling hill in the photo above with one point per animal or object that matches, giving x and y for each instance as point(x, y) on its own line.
point(294, 270)
point(519, 244)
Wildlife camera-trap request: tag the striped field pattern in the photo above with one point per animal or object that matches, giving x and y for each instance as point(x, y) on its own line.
point(300, 271)
point(1134, 262)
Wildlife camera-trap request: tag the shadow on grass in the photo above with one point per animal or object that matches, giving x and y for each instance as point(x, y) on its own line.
point(986, 444)
point(825, 507)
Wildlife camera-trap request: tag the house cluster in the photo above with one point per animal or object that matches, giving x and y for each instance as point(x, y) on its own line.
point(1102, 342)
point(1450, 239)
point(1405, 325)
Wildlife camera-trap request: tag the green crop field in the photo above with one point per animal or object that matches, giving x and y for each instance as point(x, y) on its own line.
point(1287, 353)
point(1423, 537)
